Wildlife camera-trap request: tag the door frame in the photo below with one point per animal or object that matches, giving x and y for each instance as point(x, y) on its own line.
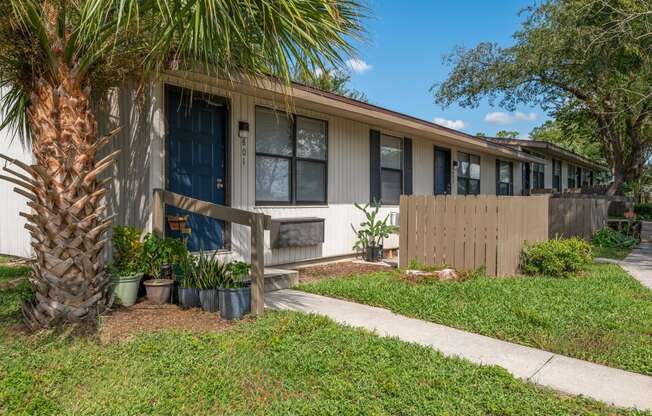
point(449, 170)
point(167, 88)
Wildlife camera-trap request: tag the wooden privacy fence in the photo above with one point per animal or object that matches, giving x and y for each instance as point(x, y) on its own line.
point(467, 232)
point(577, 216)
point(256, 221)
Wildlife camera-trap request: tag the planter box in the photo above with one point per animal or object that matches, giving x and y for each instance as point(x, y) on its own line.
point(296, 232)
point(235, 302)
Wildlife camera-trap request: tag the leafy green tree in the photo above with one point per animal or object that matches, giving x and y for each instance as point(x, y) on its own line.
point(507, 134)
point(56, 56)
point(589, 57)
point(481, 134)
point(332, 80)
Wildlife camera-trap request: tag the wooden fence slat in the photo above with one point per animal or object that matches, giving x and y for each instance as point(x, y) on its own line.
point(450, 223)
point(404, 248)
point(492, 235)
point(431, 230)
point(458, 259)
point(412, 230)
point(440, 229)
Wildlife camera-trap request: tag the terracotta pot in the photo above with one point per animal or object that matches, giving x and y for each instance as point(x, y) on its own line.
point(159, 290)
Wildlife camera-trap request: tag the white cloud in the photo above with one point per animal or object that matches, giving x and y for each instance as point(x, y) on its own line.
point(500, 117)
point(358, 65)
point(451, 124)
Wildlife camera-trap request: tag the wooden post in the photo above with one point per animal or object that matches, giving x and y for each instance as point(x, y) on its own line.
point(158, 213)
point(258, 264)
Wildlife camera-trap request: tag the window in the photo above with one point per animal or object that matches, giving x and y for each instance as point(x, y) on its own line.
point(571, 176)
point(538, 175)
point(504, 178)
point(585, 177)
point(291, 159)
point(468, 174)
point(391, 169)
point(556, 174)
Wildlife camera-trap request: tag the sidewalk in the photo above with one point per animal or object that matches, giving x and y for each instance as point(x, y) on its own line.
point(638, 264)
point(617, 387)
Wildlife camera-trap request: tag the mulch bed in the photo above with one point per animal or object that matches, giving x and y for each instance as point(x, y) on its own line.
point(123, 322)
point(338, 269)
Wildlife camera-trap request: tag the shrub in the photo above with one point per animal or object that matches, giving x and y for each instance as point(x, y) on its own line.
point(127, 251)
point(557, 258)
point(609, 238)
point(644, 211)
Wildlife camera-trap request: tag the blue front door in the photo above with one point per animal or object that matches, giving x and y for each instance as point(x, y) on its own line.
point(196, 162)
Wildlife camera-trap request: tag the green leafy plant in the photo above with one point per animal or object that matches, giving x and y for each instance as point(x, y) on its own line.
point(609, 238)
point(237, 271)
point(556, 258)
point(127, 251)
point(187, 271)
point(210, 272)
point(158, 251)
point(372, 231)
point(643, 211)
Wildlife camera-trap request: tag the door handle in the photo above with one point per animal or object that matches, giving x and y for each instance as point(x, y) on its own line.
point(219, 183)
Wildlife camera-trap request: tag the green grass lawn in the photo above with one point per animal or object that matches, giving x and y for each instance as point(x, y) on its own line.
point(610, 253)
point(604, 316)
point(283, 363)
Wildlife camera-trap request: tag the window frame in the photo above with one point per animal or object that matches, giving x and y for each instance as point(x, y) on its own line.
point(571, 172)
point(468, 178)
point(557, 185)
point(400, 171)
point(293, 159)
point(535, 175)
point(510, 184)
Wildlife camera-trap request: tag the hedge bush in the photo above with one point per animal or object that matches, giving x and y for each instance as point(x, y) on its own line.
point(609, 238)
point(643, 211)
point(556, 258)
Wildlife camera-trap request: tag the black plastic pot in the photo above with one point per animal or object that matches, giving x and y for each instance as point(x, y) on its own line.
point(373, 253)
point(209, 300)
point(189, 297)
point(235, 302)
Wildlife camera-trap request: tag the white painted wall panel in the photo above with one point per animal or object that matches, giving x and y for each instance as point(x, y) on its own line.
point(14, 238)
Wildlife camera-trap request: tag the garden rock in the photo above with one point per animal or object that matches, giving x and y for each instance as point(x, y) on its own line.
point(420, 275)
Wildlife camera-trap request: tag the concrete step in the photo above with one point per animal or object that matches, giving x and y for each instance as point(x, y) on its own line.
point(277, 279)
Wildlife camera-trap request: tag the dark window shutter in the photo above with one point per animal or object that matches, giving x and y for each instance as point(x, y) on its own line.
point(374, 166)
point(497, 177)
point(407, 166)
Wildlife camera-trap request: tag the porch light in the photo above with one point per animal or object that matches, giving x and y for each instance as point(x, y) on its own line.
point(243, 129)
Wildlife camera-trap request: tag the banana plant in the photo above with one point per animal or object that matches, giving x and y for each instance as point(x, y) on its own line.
point(372, 232)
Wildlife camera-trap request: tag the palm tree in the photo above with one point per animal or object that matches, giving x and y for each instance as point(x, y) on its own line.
point(57, 57)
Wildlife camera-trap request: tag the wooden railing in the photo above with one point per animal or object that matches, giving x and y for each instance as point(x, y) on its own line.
point(256, 221)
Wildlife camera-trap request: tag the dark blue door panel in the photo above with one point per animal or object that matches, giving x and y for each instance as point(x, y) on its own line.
point(442, 172)
point(196, 162)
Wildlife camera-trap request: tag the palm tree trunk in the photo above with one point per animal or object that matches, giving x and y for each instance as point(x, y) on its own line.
point(67, 218)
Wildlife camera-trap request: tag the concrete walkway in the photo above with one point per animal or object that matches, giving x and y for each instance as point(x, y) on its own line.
point(638, 264)
point(617, 387)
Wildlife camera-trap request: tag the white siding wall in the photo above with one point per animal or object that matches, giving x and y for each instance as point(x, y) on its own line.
point(141, 168)
point(14, 238)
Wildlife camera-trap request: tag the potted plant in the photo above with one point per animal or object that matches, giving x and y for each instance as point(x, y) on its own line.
point(188, 291)
point(159, 254)
point(211, 273)
point(125, 266)
point(372, 233)
point(235, 293)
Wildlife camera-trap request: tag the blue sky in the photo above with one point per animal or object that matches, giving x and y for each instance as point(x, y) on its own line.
point(403, 57)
